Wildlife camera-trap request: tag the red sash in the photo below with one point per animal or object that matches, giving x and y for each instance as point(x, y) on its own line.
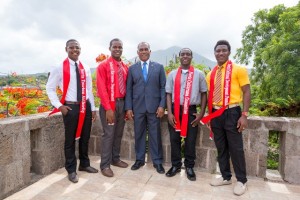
point(226, 94)
point(112, 85)
point(186, 103)
point(66, 81)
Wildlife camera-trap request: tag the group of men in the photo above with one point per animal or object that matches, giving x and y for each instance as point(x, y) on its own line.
point(141, 93)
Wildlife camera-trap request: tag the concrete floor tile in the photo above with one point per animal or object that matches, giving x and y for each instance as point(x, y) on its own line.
point(147, 184)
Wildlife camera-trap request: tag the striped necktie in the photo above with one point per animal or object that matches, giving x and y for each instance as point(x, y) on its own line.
point(217, 98)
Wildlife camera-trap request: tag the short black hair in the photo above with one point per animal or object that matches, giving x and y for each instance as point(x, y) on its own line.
point(113, 40)
point(186, 49)
point(70, 40)
point(223, 42)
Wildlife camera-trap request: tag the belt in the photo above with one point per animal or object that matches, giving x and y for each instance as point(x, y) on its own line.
point(120, 99)
point(74, 102)
point(190, 106)
point(229, 106)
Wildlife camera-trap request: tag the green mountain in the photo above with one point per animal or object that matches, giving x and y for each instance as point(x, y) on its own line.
point(164, 56)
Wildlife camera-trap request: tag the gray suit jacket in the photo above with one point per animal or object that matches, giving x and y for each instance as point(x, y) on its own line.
point(144, 96)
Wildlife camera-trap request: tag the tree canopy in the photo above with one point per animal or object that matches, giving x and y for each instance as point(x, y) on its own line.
point(272, 42)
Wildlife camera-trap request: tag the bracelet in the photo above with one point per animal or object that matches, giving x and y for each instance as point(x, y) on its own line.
point(246, 114)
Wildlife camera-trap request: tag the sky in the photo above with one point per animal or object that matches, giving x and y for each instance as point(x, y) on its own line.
point(33, 33)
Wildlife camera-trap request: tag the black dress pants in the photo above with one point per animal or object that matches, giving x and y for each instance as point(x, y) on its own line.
point(229, 143)
point(70, 122)
point(190, 141)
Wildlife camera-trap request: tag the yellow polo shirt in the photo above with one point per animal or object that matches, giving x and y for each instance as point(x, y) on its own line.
point(239, 78)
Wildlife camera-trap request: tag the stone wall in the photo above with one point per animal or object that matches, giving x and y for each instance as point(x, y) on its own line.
point(29, 146)
point(34, 145)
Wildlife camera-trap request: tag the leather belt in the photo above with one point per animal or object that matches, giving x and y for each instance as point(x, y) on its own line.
point(229, 106)
point(190, 106)
point(120, 99)
point(72, 102)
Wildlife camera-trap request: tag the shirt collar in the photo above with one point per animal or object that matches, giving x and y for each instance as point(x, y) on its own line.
point(148, 61)
point(72, 62)
point(184, 71)
point(222, 66)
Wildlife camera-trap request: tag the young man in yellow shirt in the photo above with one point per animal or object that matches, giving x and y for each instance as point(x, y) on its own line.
point(229, 87)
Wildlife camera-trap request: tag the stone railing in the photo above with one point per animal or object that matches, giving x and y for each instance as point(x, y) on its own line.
point(33, 145)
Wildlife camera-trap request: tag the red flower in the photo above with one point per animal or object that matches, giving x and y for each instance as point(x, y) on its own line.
point(101, 57)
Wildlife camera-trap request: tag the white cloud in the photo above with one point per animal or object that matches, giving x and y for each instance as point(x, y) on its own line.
point(33, 32)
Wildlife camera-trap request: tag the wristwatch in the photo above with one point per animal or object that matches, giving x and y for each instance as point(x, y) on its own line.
point(246, 114)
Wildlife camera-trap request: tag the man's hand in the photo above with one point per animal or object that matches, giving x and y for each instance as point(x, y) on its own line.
point(242, 123)
point(196, 120)
point(64, 109)
point(110, 117)
point(129, 114)
point(94, 116)
point(160, 112)
point(208, 125)
point(171, 119)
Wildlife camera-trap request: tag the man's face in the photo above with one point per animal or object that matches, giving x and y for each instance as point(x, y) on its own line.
point(143, 52)
point(73, 49)
point(222, 54)
point(116, 49)
point(185, 57)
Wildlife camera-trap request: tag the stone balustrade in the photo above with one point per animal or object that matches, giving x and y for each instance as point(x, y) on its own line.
point(33, 145)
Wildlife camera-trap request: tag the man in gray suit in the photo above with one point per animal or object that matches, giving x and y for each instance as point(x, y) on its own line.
point(145, 102)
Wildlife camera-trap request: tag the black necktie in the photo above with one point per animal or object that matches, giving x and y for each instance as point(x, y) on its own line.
point(78, 83)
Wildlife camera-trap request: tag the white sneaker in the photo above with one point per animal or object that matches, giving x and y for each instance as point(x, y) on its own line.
point(239, 188)
point(220, 181)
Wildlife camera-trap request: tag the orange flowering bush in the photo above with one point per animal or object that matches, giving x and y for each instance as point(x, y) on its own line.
point(42, 109)
point(101, 57)
point(22, 101)
point(18, 92)
point(28, 105)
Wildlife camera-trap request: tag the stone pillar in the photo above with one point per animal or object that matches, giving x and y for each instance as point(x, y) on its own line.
point(206, 157)
point(290, 153)
point(95, 139)
point(14, 155)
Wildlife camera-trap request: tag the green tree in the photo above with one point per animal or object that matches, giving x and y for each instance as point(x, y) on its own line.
point(273, 42)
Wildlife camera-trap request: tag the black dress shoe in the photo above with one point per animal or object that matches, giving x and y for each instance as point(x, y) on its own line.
point(159, 168)
point(190, 174)
point(88, 169)
point(137, 165)
point(73, 177)
point(173, 171)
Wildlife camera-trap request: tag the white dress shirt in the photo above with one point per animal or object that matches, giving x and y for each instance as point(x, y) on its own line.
point(56, 79)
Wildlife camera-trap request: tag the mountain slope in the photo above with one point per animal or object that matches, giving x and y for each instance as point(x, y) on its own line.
point(164, 56)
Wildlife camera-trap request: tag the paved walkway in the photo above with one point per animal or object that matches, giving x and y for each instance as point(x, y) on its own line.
point(147, 184)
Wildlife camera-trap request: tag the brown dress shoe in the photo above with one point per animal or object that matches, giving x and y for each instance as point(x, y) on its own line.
point(120, 163)
point(107, 172)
